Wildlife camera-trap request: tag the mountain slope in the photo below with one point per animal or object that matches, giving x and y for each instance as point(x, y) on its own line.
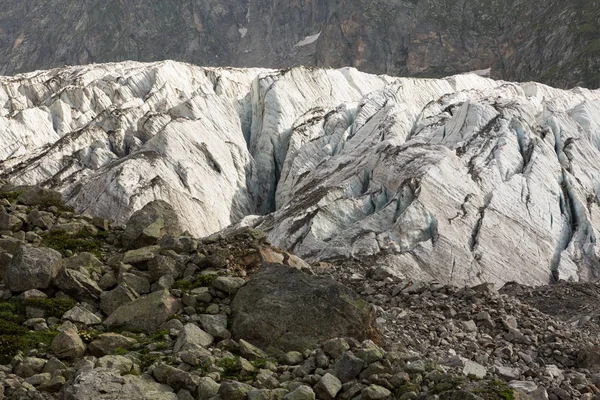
point(462, 179)
point(554, 42)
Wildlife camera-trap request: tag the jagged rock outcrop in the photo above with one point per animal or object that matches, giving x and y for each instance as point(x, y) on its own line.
point(554, 41)
point(463, 179)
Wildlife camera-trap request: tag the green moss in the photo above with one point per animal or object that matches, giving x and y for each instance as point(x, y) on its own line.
point(159, 335)
point(15, 337)
point(147, 359)
point(11, 196)
point(77, 243)
point(120, 329)
point(11, 344)
point(230, 367)
point(119, 351)
point(187, 285)
point(494, 390)
point(161, 346)
point(53, 307)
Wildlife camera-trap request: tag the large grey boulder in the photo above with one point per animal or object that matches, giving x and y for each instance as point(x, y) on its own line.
point(190, 334)
point(108, 384)
point(107, 343)
point(283, 309)
point(111, 300)
point(148, 225)
point(175, 377)
point(36, 195)
point(146, 313)
point(78, 284)
point(33, 268)
point(68, 344)
point(9, 222)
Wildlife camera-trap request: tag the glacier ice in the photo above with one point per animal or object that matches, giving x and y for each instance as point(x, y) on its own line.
point(462, 180)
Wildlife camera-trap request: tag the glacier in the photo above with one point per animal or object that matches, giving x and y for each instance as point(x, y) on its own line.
point(462, 180)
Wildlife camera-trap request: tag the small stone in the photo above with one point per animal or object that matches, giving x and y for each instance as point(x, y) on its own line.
point(369, 352)
point(39, 379)
point(468, 367)
point(212, 309)
point(302, 392)
point(328, 387)
point(417, 366)
point(54, 364)
point(250, 351)
point(335, 347)
point(348, 367)
point(207, 388)
point(191, 334)
point(508, 373)
point(231, 390)
point(228, 284)
point(175, 377)
point(139, 256)
point(375, 392)
point(525, 386)
point(112, 300)
point(469, 326)
point(292, 358)
point(29, 366)
point(216, 325)
point(53, 385)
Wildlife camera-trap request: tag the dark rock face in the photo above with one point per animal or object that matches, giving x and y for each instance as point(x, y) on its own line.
point(548, 41)
point(283, 309)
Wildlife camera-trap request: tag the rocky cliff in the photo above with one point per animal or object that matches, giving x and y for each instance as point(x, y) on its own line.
point(554, 42)
point(463, 179)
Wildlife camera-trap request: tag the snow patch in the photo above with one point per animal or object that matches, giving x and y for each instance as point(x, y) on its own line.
point(308, 40)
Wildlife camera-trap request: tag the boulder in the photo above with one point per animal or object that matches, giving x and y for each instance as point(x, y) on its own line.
point(108, 384)
point(33, 268)
point(161, 266)
point(30, 366)
point(84, 262)
point(328, 387)
point(228, 284)
point(190, 334)
point(146, 313)
point(207, 388)
point(120, 363)
point(148, 225)
point(107, 343)
point(302, 392)
point(78, 284)
point(216, 325)
point(82, 315)
point(122, 294)
point(10, 222)
point(36, 195)
point(232, 390)
point(68, 345)
point(175, 377)
point(283, 309)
